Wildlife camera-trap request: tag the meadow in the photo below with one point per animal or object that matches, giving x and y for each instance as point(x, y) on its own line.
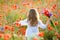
point(15, 10)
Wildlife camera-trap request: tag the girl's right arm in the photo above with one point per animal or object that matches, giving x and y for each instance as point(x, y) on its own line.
point(23, 22)
point(43, 26)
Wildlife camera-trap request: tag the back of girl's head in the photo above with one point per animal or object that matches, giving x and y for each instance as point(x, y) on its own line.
point(32, 17)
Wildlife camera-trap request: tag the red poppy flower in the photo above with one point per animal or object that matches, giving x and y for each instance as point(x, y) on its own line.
point(0, 16)
point(47, 13)
point(26, 4)
point(58, 36)
point(22, 30)
point(14, 6)
point(7, 36)
point(41, 34)
point(12, 29)
point(56, 22)
point(35, 38)
point(0, 24)
point(54, 6)
point(17, 24)
point(7, 27)
point(50, 28)
point(55, 15)
point(1, 35)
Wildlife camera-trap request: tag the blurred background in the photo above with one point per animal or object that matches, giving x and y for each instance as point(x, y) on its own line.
point(15, 10)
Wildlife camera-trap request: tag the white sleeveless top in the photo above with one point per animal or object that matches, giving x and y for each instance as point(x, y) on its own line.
point(32, 30)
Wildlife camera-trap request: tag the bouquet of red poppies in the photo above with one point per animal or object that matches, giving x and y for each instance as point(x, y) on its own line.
point(47, 13)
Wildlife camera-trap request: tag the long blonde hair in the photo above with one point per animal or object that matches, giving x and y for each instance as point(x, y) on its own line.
point(33, 17)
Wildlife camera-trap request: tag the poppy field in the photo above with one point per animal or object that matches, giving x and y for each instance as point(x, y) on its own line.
point(15, 10)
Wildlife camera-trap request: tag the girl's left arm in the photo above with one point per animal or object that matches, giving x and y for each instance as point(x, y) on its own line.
point(43, 26)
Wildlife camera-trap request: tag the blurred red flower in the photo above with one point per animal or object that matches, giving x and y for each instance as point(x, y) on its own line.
point(26, 4)
point(22, 30)
point(0, 24)
point(54, 6)
point(35, 38)
point(41, 34)
point(7, 36)
point(55, 15)
point(12, 29)
point(1, 35)
point(0, 16)
point(47, 13)
point(50, 28)
point(7, 27)
point(58, 11)
point(14, 6)
point(56, 22)
point(58, 36)
point(17, 24)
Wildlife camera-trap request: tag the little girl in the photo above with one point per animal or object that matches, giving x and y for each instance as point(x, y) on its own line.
point(33, 22)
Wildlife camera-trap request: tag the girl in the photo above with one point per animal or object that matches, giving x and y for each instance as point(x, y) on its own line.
point(33, 23)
